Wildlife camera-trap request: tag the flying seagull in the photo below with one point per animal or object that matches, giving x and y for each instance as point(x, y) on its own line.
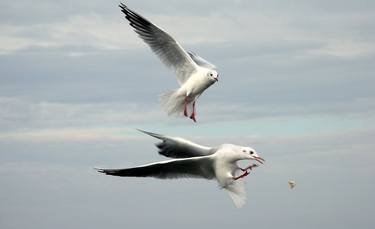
point(194, 74)
point(195, 161)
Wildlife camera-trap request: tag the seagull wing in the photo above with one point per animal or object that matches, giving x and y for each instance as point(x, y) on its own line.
point(200, 61)
point(175, 147)
point(237, 191)
point(162, 44)
point(197, 167)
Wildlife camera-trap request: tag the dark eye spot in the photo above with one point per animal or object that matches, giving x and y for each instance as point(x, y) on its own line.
point(210, 74)
point(244, 151)
point(251, 152)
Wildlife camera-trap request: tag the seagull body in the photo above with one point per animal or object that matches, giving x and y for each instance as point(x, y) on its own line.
point(195, 161)
point(194, 74)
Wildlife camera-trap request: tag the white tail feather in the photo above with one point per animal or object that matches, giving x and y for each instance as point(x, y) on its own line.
point(172, 102)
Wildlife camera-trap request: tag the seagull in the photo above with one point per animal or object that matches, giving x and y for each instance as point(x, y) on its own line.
point(191, 160)
point(194, 74)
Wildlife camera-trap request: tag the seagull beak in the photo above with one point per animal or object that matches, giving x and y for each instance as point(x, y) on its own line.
point(216, 78)
point(259, 159)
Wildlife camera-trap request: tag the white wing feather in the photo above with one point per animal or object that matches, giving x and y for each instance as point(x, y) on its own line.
point(162, 44)
point(200, 61)
point(237, 192)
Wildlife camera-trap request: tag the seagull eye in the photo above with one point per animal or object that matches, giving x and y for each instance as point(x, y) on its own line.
point(211, 74)
point(251, 152)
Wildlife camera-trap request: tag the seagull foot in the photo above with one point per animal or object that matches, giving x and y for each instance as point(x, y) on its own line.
point(249, 167)
point(242, 175)
point(192, 116)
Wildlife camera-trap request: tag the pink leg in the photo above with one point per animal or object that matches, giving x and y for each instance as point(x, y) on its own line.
point(242, 175)
point(192, 116)
point(185, 106)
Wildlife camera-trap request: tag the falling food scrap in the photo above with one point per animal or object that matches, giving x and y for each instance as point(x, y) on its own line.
point(291, 184)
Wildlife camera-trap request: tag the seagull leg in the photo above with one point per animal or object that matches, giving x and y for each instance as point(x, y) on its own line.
point(192, 116)
point(242, 175)
point(249, 167)
point(185, 106)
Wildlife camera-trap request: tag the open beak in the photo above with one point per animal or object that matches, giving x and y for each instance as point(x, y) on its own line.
point(259, 159)
point(217, 78)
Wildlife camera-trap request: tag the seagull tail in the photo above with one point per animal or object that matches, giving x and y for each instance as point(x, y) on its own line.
point(172, 102)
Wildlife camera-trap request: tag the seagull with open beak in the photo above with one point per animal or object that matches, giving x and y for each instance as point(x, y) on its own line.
point(197, 161)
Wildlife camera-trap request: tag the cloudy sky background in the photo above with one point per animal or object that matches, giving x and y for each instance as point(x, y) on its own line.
point(297, 83)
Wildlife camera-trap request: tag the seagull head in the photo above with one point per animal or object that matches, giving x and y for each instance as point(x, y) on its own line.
point(251, 154)
point(213, 75)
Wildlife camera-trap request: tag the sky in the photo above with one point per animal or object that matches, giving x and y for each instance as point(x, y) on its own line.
point(296, 83)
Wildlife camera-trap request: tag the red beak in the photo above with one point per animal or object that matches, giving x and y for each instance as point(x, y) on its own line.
point(259, 159)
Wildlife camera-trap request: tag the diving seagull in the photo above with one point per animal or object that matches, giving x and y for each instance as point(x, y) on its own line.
point(191, 160)
point(194, 74)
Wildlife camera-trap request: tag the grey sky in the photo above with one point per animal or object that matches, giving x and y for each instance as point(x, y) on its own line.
point(296, 83)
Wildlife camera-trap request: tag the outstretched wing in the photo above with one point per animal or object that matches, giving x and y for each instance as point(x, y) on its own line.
point(197, 167)
point(175, 147)
point(200, 61)
point(162, 44)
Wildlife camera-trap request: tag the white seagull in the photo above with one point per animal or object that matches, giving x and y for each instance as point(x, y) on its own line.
point(194, 74)
point(196, 161)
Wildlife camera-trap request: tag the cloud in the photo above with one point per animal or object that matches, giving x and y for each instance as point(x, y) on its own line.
point(18, 113)
point(95, 31)
point(339, 34)
point(296, 84)
point(69, 134)
point(355, 108)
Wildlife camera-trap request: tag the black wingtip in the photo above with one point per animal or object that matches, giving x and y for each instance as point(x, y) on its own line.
point(122, 5)
point(143, 131)
point(151, 134)
point(124, 8)
point(99, 170)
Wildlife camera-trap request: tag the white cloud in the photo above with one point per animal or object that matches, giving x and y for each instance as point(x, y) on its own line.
point(345, 49)
point(90, 30)
point(338, 34)
point(22, 113)
point(70, 134)
point(362, 108)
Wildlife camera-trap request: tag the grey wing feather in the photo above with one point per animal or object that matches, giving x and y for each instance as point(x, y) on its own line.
point(162, 44)
point(200, 61)
point(175, 147)
point(198, 167)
